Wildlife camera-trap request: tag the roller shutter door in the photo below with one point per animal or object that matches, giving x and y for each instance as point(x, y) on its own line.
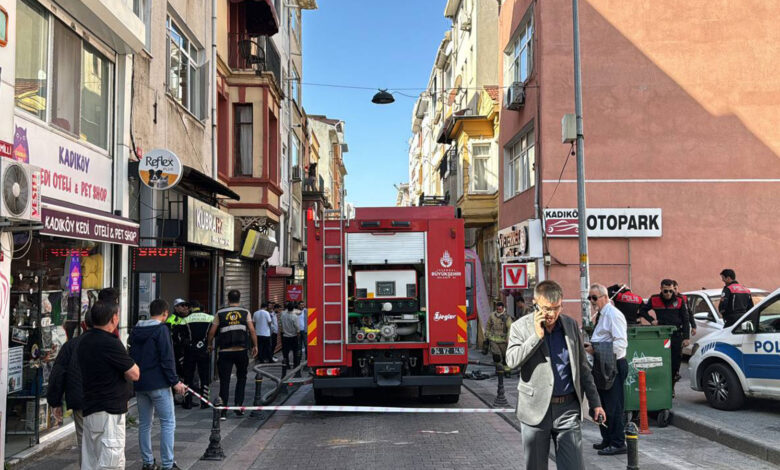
point(276, 289)
point(396, 248)
point(238, 276)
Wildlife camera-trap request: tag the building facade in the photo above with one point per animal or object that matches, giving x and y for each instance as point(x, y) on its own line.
point(665, 115)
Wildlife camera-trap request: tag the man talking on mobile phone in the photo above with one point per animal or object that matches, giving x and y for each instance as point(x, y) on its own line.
point(554, 376)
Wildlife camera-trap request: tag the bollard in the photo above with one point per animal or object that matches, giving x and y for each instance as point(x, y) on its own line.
point(500, 397)
point(214, 450)
point(632, 444)
point(258, 397)
point(644, 427)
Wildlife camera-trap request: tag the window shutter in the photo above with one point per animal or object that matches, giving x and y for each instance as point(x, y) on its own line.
point(204, 82)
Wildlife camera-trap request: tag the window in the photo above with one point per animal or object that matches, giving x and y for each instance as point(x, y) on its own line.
point(296, 149)
point(293, 22)
point(187, 80)
point(294, 86)
point(78, 98)
point(141, 10)
point(242, 147)
point(295, 220)
point(769, 319)
point(519, 171)
point(481, 168)
point(32, 54)
point(519, 54)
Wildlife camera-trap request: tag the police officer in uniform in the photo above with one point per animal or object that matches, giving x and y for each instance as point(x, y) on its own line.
point(233, 330)
point(196, 355)
point(670, 309)
point(179, 333)
point(735, 299)
point(497, 331)
point(628, 303)
point(690, 313)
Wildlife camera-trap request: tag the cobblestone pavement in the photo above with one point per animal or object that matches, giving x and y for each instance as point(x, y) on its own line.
point(398, 441)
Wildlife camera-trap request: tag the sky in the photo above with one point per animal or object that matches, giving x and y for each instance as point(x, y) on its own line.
point(376, 44)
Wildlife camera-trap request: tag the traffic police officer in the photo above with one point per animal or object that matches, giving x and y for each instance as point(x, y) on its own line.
point(735, 299)
point(670, 309)
point(196, 355)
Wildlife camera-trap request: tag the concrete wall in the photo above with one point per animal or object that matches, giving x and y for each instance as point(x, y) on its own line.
point(672, 91)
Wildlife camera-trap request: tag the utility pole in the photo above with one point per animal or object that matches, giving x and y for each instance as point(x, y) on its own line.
point(581, 207)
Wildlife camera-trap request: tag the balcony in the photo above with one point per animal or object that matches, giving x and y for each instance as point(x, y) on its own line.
point(253, 52)
point(315, 191)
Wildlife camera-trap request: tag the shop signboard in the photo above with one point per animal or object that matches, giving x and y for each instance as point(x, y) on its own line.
point(86, 226)
point(6, 149)
point(514, 276)
point(70, 171)
point(146, 259)
point(605, 223)
point(209, 226)
point(520, 241)
point(294, 293)
point(160, 169)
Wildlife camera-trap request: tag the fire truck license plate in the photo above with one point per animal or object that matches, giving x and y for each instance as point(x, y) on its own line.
point(447, 351)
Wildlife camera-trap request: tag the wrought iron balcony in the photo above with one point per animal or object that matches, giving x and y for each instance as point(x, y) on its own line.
point(253, 52)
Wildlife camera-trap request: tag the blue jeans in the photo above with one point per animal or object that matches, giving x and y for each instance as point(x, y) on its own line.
point(160, 400)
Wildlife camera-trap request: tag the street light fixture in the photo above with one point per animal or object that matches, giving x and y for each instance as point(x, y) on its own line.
point(383, 97)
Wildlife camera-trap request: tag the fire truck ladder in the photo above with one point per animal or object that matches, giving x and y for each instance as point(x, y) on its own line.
point(334, 284)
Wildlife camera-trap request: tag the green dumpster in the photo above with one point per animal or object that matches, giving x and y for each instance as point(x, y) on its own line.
point(649, 350)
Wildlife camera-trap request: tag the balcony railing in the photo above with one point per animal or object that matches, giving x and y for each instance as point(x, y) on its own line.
point(251, 52)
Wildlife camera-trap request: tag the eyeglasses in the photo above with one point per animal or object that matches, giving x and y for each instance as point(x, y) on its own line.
point(595, 298)
point(668, 291)
point(551, 310)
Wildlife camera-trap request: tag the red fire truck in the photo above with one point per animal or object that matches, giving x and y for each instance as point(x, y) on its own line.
point(387, 301)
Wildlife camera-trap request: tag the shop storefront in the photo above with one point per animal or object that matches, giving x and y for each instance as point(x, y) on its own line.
point(276, 283)
point(521, 244)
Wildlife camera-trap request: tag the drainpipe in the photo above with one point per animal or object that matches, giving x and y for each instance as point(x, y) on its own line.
point(214, 274)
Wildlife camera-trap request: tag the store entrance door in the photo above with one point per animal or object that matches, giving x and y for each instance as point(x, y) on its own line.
point(199, 278)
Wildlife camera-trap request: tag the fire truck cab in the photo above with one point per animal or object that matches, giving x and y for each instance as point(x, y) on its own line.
point(387, 301)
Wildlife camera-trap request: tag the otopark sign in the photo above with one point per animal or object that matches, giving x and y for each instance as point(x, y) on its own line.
point(605, 223)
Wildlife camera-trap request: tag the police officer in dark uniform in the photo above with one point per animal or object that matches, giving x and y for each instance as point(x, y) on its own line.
point(690, 313)
point(196, 356)
point(628, 303)
point(233, 329)
point(670, 309)
point(735, 299)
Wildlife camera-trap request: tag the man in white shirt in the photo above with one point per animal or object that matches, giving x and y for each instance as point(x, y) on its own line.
point(611, 327)
point(263, 323)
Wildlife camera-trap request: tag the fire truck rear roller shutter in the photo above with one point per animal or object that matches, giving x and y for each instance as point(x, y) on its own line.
point(397, 248)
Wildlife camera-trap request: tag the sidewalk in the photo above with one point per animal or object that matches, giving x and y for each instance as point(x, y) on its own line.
point(193, 428)
point(755, 429)
point(666, 448)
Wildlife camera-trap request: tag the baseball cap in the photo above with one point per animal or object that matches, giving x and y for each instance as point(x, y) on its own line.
point(178, 302)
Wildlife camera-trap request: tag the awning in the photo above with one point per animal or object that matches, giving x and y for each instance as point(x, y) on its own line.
point(196, 180)
point(260, 17)
point(62, 219)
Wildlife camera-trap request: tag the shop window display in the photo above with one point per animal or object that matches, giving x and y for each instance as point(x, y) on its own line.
point(55, 282)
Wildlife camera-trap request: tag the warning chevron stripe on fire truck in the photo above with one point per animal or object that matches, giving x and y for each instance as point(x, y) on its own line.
point(312, 328)
point(462, 324)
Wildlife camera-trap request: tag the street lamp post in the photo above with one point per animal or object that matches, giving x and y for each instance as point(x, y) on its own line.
point(581, 206)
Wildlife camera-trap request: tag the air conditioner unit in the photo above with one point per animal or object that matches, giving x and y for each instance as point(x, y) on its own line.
point(296, 173)
point(20, 185)
point(515, 96)
point(302, 258)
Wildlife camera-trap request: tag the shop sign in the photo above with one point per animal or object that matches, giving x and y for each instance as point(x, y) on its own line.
point(294, 293)
point(70, 171)
point(84, 227)
point(514, 276)
point(74, 275)
point(160, 169)
point(15, 368)
point(209, 226)
point(146, 259)
point(604, 223)
point(522, 240)
point(6, 149)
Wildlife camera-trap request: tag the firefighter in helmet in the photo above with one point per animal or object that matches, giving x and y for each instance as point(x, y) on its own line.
point(497, 332)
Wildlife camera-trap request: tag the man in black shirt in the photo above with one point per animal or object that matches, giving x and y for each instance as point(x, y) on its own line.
point(107, 372)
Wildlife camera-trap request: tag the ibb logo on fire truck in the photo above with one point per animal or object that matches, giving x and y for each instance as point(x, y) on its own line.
point(439, 317)
point(446, 260)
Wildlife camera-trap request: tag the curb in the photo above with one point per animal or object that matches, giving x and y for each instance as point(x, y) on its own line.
point(690, 422)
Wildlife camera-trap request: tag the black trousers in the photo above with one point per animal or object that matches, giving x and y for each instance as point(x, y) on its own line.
point(290, 345)
point(264, 353)
point(274, 340)
point(677, 341)
point(613, 401)
point(225, 363)
point(196, 362)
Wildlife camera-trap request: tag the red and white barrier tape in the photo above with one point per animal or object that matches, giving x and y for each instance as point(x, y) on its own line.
point(352, 409)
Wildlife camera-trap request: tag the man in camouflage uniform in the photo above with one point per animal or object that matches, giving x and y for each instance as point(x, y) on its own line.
point(497, 332)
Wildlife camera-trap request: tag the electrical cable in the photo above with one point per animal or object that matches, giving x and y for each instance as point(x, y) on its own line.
point(560, 177)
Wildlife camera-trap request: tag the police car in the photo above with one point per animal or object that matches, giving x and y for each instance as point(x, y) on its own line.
point(742, 360)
